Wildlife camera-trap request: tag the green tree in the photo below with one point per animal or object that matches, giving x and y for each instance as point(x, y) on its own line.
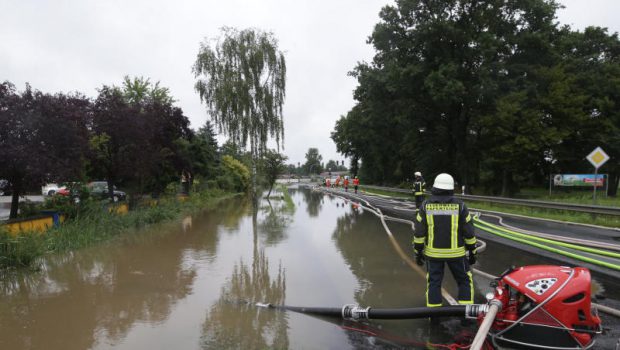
point(454, 84)
point(138, 90)
point(234, 175)
point(241, 79)
point(272, 166)
point(42, 138)
point(313, 161)
point(331, 165)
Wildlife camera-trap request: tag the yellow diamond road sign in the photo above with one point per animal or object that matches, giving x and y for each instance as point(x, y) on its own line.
point(598, 157)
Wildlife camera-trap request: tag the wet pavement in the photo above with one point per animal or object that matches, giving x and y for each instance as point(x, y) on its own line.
point(187, 284)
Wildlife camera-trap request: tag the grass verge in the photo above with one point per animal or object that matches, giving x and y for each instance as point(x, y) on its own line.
point(93, 224)
point(570, 196)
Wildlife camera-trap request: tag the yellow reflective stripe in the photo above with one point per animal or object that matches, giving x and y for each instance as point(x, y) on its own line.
point(427, 285)
point(418, 193)
point(471, 291)
point(427, 303)
point(431, 230)
point(418, 239)
point(444, 252)
point(418, 217)
point(470, 240)
point(454, 225)
point(468, 218)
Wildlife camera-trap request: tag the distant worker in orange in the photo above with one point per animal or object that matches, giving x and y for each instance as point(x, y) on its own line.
point(356, 183)
point(338, 181)
point(346, 183)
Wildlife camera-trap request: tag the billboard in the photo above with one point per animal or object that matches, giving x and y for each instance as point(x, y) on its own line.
point(579, 180)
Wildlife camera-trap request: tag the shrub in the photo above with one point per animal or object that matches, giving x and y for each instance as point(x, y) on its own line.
point(234, 174)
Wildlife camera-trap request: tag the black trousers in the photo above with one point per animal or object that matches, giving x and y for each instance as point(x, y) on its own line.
point(418, 202)
point(434, 276)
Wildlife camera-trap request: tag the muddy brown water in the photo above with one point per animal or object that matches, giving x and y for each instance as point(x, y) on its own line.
point(186, 284)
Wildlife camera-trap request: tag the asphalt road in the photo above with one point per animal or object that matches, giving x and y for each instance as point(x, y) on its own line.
point(5, 204)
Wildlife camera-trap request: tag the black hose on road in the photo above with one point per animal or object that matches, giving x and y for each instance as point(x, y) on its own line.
point(356, 312)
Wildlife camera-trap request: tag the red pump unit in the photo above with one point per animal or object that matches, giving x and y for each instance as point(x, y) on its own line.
point(544, 307)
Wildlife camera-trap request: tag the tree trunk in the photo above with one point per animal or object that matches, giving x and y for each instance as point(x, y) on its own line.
point(269, 193)
point(14, 202)
point(253, 157)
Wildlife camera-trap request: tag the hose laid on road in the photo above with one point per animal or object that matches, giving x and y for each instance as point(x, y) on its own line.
point(587, 242)
point(355, 312)
point(548, 248)
point(551, 241)
point(485, 326)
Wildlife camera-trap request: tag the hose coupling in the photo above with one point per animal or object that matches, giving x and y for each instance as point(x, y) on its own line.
point(474, 310)
point(354, 312)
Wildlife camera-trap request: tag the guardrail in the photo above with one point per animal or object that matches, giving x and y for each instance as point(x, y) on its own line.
point(590, 209)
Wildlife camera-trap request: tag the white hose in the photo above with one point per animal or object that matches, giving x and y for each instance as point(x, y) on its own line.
point(485, 326)
point(587, 242)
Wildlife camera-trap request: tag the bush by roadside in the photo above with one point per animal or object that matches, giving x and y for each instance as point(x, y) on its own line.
point(91, 222)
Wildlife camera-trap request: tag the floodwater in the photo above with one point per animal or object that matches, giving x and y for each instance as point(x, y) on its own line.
point(187, 284)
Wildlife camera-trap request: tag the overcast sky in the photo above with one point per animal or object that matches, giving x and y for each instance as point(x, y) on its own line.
point(79, 45)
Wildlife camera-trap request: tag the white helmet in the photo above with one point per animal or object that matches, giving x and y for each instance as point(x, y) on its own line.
point(444, 182)
point(417, 173)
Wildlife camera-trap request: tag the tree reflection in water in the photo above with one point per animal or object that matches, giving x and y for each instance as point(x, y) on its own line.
point(90, 298)
point(277, 216)
point(233, 323)
point(314, 202)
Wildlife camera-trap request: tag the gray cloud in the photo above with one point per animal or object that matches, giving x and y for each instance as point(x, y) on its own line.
point(79, 45)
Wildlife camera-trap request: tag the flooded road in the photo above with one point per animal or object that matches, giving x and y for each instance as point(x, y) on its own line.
point(185, 285)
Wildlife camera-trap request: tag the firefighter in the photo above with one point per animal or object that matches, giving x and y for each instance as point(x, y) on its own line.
point(444, 232)
point(418, 189)
point(356, 183)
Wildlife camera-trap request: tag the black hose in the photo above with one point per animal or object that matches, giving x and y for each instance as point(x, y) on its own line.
point(417, 312)
point(319, 311)
point(351, 311)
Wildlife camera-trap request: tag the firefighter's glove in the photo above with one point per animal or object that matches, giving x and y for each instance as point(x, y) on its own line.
point(472, 257)
point(419, 257)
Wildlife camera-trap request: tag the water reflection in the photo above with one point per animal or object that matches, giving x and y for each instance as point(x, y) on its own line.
point(277, 215)
point(314, 201)
point(94, 298)
point(103, 293)
point(233, 323)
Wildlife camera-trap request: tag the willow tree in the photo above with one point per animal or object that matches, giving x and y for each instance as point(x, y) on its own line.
point(241, 79)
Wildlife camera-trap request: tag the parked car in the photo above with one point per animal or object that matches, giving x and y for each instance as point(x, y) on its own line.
point(5, 187)
point(99, 189)
point(51, 189)
point(72, 191)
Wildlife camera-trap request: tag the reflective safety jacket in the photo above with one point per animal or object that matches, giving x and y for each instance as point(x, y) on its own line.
point(418, 187)
point(444, 229)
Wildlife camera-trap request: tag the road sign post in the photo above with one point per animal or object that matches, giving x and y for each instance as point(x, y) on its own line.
point(597, 158)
